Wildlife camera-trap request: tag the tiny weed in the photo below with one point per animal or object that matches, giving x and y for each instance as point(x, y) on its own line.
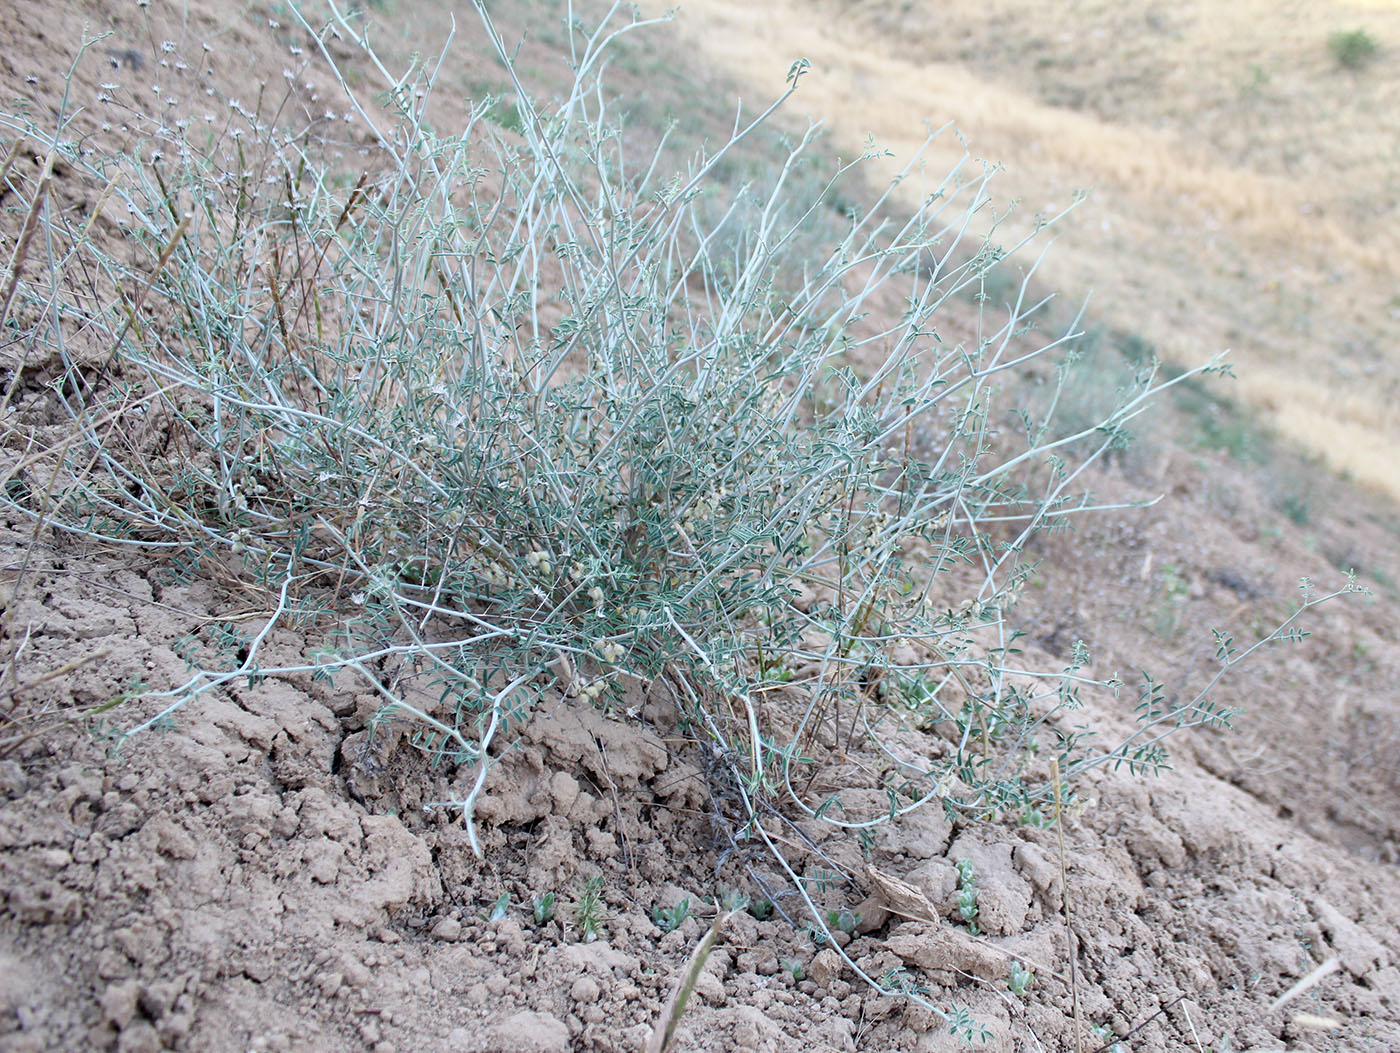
point(1254, 83)
point(967, 894)
point(794, 968)
point(842, 920)
point(669, 919)
point(1172, 596)
point(731, 899)
point(542, 907)
point(901, 980)
point(761, 909)
point(1107, 1039)
point(588, 912)
point(1020, 979)
point(500, 908)
point(1034, 817)
point(1296, 506)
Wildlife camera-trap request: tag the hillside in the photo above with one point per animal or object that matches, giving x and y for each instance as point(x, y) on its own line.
point(268, 867)
point(1243, 182)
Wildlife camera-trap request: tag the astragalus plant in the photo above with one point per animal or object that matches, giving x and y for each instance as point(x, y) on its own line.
point(524, 414)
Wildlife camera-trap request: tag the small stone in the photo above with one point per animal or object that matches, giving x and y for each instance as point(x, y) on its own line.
point(585, 989)
point(119, 1002)
point(113, 965)
point(140, 1037)
point(355, 973)
point(156, 999)
point(529, 1032)
point(871, 915)
point(564, 789)
point(708, 987)
point(447, 929)
point(13, 781)
point(329, 983)
point(175, 1028)
point(825, 967)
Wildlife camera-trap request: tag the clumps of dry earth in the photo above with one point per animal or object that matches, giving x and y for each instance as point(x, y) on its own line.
point(262, 875)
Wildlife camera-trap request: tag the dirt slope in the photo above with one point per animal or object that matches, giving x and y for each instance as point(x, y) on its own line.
point(262, 874)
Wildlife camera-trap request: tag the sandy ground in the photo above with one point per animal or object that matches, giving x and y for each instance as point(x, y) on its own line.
point(262, 874)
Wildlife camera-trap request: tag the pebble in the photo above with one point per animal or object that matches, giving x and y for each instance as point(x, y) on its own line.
point(585, 989)
point(825, 967)
point(119, 1002)
point(329, 982)
point(356, 975)
point(140, 1037)
point(447, 929)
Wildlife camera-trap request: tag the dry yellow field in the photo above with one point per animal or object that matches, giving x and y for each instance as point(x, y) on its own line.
point(1245, 185)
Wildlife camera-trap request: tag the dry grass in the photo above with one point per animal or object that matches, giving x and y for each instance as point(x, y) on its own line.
point(1245, 188)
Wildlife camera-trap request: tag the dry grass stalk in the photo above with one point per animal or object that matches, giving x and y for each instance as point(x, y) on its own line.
point(1064, 897)
point(665, 1031)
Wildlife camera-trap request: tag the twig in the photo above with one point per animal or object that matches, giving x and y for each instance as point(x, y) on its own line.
point(21, 249)
point(1109, 1045)
point(54, 674)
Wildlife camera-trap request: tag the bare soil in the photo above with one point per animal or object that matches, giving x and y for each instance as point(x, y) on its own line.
point(261, 874)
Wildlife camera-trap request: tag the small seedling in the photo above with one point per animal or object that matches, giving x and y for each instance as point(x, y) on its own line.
point(1107, 1039)
point(669, 919)
point(761, 909)
point(776, 673)
point(1020, 979)
point(842, 921)
point(500, 908)
point(895, 979)
point(901, 980)
point(1035, 817)
point(731, 899)
point(794, 968)
point(967, 894)
point(543, 908)
point(588, 913)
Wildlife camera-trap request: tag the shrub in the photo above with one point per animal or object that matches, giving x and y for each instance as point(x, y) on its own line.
point(518, 413)
point(1352, 48)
